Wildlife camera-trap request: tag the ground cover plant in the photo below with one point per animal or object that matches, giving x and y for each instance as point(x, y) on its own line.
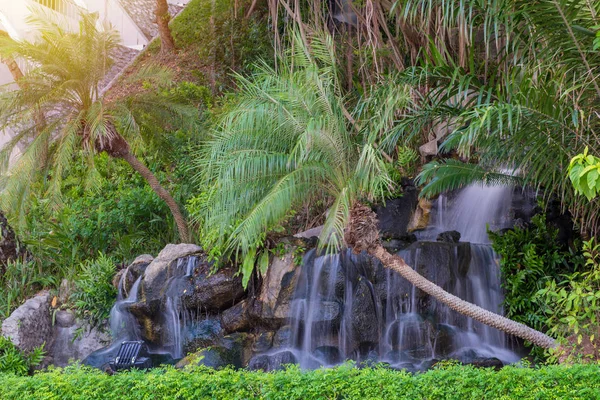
point(345, 382)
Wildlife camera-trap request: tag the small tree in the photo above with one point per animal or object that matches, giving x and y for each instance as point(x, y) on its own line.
point(63, 84)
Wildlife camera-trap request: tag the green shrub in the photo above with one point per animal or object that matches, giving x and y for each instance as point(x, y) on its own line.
point(21, 279)
point(229, 43)
point(94, 293)
point(344, 382)
point(530, 258)
point(14, 361)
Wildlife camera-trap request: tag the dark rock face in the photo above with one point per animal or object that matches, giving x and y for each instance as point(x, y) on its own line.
point(396, 215)
point(9, 247)
point(449, 237)
point(272, 362)
point(213, 292)
point(236, 318)
point(365, 324)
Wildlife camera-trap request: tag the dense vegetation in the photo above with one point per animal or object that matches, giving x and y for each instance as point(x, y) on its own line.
point(271, 119)
point(344, 382)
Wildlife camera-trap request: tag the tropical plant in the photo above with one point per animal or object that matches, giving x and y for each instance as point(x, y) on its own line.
point(15, 361)
point(94, 292)
point(584, 171)
point(522, 98)
point(291, 137)
point(57, 111)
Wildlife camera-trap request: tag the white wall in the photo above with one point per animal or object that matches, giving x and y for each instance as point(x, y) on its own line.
point(112, 12)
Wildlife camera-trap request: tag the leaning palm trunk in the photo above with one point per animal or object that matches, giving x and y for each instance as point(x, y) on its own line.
point(363, 234)
point(116, 146)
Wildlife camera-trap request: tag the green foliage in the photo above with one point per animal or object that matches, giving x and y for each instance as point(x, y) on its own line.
point(14, 361)
point(224, 41)
point(573, 303)
point(20, 281)
point(530, 258)
point(527, 105)
point(584, 172)
point(287, 140)
point(94, 293)
point(450, 382)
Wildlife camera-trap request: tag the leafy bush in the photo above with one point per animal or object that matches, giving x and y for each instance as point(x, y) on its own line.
point(344, 382)
point(224, 41)
point(115, 212)
point(572, 305)
point(21, 279)
point(94, 293)
point(14, 361)
point(530, 258)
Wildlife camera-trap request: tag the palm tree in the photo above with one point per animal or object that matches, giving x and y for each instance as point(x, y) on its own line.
point(289, 138)
point(63, 83)
point(525, 100)
point(167, 44)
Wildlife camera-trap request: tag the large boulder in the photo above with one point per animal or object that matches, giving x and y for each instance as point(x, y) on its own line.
point(30, 325)
point(158, 272)
point(271, 308)
point(212, 292)
point(74, 339)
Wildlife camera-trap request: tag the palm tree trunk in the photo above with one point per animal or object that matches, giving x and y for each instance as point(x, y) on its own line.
point(167, 44)
point(161, 192)
point(397, 264)
point(363, 234)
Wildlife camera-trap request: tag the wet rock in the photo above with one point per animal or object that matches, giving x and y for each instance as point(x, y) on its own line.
point(236, 319)
point(491, 362)
point(449, 237)
point(213, 292)
point(201, 334)
point(158, 271)
point(64, 318)
point(214, 357)
point(134, 271)
point(328, 354)
point(68, 345)
point(263, 342)
point(396, 214)
point(283, 337)
point(395, 245)
point(445, 340)
point(272, 362)
point(420, 218)
point(365, 324)
point(30, 325)
point(324, 313)
point(272, 306)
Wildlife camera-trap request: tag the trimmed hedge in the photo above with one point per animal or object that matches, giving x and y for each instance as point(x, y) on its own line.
point(344, 382)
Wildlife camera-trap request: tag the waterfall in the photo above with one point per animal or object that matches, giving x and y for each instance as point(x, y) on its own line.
point(348, 306)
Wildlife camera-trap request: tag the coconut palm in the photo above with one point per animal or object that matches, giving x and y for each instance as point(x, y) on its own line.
point(63, 83)
point(291, 137)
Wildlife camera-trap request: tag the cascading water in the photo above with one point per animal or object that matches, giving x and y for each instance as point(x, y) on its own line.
point(348, 306)
point(176, 320)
